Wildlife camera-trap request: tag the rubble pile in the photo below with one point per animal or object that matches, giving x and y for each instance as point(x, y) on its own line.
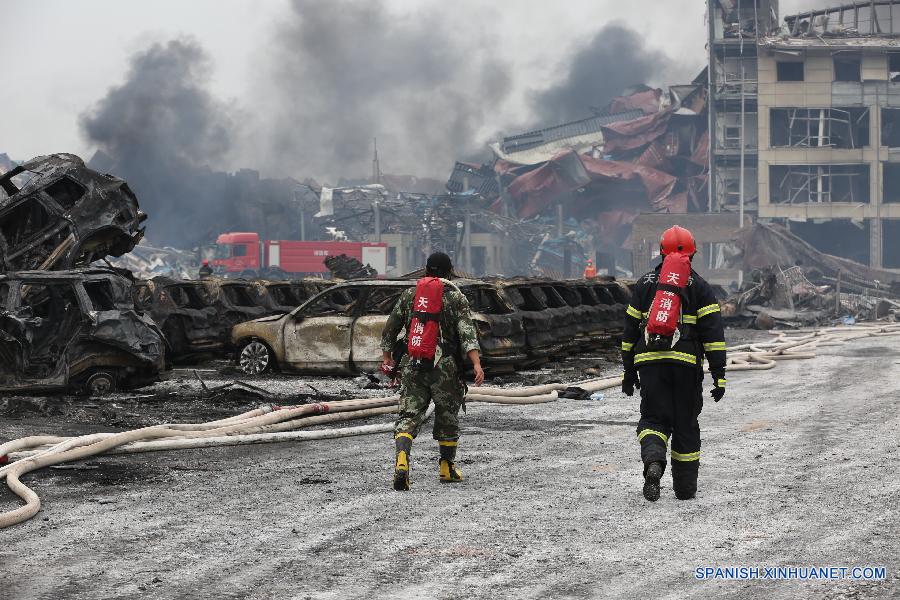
point(147, 262)
point(792, 284)
point(347, 267)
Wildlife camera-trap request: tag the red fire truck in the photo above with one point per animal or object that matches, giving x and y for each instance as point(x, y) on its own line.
point(244, 254)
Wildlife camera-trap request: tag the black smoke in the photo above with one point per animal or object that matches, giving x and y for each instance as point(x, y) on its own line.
point(341, 73)
point(613, 61)
point(162, 129)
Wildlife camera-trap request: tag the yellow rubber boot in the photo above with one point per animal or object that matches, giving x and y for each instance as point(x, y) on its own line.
point(403, 442)
point(447, 470)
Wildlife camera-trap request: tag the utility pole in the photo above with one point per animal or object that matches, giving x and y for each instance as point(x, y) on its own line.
point(376, 207)
point(302, 217)
point(376, 167)
point(467, 231)
point(743, 144)
point(376, 178)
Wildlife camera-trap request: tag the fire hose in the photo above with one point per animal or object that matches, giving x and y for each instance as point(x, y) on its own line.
point(280, 424)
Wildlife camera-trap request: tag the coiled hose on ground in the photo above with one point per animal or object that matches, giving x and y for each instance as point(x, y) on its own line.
point(280, 424)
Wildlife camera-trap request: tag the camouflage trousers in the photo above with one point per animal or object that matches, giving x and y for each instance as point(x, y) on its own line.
point(419, 387)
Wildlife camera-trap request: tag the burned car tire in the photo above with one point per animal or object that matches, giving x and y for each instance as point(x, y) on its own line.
point(254, 358)
point(100, 383)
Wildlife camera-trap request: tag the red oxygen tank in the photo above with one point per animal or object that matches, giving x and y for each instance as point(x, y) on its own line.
point(424, 328)
point(665, 311)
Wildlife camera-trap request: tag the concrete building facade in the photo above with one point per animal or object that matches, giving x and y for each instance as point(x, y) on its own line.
point(828, 131)
point(806, 114)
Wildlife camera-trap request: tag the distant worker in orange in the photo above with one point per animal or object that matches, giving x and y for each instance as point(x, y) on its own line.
point(205, 270)
point(590, 271)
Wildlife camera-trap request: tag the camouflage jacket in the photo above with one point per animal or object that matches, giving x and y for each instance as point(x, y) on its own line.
point(457, 328)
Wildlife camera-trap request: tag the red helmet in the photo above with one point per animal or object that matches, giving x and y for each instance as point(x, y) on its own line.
point(677, 239)
point(205, 263)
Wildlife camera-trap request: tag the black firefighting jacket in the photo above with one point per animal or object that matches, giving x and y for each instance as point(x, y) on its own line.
point(702, 332)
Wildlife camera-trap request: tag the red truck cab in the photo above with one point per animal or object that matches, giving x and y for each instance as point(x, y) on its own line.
point(238, 253)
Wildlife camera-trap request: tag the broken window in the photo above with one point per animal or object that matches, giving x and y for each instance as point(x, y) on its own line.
point(66, 192)
point(381, 301)
point(800, 184)
point(819, 127)
point(789, 70)
point(570, 296)
point(732, 136)
point(553, 299)
point(286, 295)
point(53, 302)
point(101, 295)
point(334, 302)
point(604, 296)
point(485, 300)
point(24, 221)
point(187, 296)
point(894, 66)
point(587, 296)
point(847, 66)
point(891, 243)
point(891, 182)
point(238, 295)
point(890, 127)
point(525, 298)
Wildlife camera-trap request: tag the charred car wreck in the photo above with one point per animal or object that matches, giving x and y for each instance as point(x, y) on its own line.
point(75, 330)
point(55, 213)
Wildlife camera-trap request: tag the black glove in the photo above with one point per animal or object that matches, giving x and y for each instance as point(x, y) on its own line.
point(718, 390)
point(630, 381)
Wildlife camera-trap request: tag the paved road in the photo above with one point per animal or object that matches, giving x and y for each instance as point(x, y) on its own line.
point(799, 468)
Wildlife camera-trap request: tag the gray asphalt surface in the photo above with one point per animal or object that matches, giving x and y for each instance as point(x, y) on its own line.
point(798, 469)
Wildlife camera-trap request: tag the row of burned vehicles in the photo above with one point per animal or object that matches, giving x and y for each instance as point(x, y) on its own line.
point(521, 323)
point(98, 329)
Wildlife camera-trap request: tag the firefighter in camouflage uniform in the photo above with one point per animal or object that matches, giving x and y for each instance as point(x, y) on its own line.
point(670, 380)
point(439, 380)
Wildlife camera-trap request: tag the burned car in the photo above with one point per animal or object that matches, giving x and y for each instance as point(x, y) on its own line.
point(181, 309)
point(530, 305)
point(339, 330)
point(76, 330)
point(285, 296)
point(55, 213)
point(235, 301)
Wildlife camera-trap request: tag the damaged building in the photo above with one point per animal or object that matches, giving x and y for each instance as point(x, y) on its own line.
point(811, 107)
point(830, 160)
point(585, 183)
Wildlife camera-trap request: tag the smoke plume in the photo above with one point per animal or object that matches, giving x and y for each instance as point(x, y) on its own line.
point(344, 72)
point(615, 59)
point(161, 127)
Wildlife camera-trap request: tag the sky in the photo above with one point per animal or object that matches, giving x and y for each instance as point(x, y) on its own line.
point(295, 88)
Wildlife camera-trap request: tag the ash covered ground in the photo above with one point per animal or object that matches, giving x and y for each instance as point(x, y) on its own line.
point(798, 469)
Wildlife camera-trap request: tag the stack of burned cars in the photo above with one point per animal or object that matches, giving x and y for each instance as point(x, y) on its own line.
point(520, 323)
point(74, 330)
point(56, 213)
